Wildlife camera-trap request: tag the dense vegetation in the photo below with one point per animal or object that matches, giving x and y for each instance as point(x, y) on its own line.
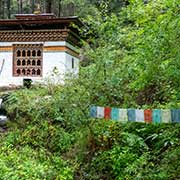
point(131, 59)
point(59, 7)
point(51, 137)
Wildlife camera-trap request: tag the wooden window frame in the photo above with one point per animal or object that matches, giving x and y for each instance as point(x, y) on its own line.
point(27, 66)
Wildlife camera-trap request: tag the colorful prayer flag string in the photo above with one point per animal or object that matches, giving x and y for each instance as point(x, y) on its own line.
point(136, 115)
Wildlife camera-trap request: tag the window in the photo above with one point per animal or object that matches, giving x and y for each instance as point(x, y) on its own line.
point(33, 72)
point(28, 53)
point(33, 53)
point(33, 62)
point(18, 62)
point(23, 62)
point(72, 63)
point(18, 53)
point(18, 71)
point(27, 60)
point(23, 53)
point(38, 72)
point(39, 63)
point(38, 53)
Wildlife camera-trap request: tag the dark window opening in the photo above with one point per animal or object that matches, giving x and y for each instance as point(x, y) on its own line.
point(28, 62)
point(72, 63)
point(38, 72)
point(33, 53)
point(33, 72)
point(28, 72)
point(39, 53)
point(18, 62)
point(23, 53)
point(24, 72)
point(23, 62)
point(39, 63)
point(33, 63)
point(18, 53)
point(18, 71)
point(28, 53)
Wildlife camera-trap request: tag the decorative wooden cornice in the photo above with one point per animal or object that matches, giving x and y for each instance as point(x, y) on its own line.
point(34, 19)
point(39, 35)
point(33, 36)
point(40, 27)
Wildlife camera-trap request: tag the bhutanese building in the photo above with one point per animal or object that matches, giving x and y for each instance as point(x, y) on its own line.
point(37, 47)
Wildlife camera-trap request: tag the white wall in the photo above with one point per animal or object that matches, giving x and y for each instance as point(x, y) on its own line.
point(6, 76)
point(61, 62)
point(54, 66)
point(69, 69)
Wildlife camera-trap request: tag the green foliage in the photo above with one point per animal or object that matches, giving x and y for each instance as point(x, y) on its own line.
point(133, 151)
point(85, 148)
point(25, 163)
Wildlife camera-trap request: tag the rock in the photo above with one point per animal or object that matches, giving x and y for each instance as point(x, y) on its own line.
point(3, 120)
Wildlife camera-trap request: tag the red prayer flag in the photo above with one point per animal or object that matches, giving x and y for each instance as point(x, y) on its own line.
point(148, 115)
point(107, 112)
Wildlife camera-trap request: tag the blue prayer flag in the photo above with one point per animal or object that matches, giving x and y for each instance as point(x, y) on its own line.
point(115, 114)
point(139, 115)
point(156, 116)
point(131, 115)
point(93, 111)
point(175, 115)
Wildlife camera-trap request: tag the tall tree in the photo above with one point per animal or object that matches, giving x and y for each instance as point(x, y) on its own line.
point(1, 9)
point(9, 9)
point(49, 6)
point(60, 8)
point(20, 6)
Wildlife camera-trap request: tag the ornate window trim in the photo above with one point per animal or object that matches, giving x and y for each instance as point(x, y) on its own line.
point(27, 60)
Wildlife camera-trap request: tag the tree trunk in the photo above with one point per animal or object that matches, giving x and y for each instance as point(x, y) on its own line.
point(9, 9)
point(21, 7)
point(3, 11)
point(32, 5)
point(60, 7)
point(48, 6)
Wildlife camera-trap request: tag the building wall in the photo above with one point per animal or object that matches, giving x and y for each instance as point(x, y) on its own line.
point(56, 63)
point(69, 58)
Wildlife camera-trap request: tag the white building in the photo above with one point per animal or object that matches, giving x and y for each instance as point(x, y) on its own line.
point(33, 47)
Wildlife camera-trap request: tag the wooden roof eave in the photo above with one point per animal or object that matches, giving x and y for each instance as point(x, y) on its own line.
point(41, 21)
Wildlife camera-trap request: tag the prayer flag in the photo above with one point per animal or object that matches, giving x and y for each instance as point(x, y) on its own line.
point(166, 115)
point(100, 112)
point(107, 112)
point(93, 111)
point(148, 115)
point(123, 115)
point(115, 114)
point(175, 115)
point(131, 115)
point(139, 115)
point(156, 115)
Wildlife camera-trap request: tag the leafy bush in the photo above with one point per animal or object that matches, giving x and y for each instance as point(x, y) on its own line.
point(25, 163)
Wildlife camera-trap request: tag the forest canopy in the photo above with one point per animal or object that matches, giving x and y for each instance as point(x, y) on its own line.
point(60, 7)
